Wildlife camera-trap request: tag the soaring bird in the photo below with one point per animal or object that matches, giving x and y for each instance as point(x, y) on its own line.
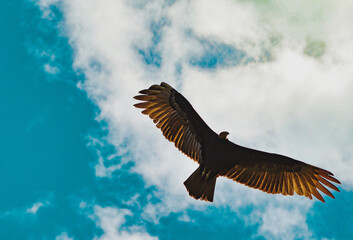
point(217, 156)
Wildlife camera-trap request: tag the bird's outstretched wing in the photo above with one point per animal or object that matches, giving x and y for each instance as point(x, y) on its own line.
point(274, 173)
point(177, 119)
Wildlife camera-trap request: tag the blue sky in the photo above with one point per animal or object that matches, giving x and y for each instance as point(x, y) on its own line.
point(79, 162)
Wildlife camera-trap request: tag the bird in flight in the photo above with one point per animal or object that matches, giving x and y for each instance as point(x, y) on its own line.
point(217, 156)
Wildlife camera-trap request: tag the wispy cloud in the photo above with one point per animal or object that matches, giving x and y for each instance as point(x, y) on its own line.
point(294, 96)
point(111, 220)
point(283, 221)
point(45, 6)
point(63, 236)
point(25, 212)
point(51, 69)
point(35, 207)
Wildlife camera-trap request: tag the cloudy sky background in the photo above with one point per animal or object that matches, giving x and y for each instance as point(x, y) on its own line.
point(79, 162)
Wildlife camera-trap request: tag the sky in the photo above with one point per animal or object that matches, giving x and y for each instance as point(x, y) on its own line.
point(80, 162)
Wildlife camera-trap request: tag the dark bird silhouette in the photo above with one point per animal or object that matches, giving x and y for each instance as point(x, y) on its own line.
point(217, 156)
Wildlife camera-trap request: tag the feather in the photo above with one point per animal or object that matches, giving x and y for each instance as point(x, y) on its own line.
point(324, 190)
point(327, 183)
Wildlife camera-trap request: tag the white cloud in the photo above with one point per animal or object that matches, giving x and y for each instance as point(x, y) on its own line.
point(298, 103)
point(45, 5)
point(111, 219)
point(49, 58)
point(283, 223)
point(36, 206)
point(51, 69)
point(63, 236)
point(25, 212)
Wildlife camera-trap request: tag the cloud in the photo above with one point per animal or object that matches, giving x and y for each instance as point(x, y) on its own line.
point(104, 167)
point(25, 213)
point(111, 221)
point(283, 222)
point(293, 98)
point(35, 208)
point(63, 236)
point(45, 7)
point(51, 69)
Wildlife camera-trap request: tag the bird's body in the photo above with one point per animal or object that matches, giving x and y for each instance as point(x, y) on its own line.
point(217, 156)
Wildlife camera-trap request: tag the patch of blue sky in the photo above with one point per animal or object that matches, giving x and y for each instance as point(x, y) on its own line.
point(44, 128)
point(50, 47)
point(214, 223)
point(152, 55)
point(334, 219)
point(218, 55)
point(215, 54)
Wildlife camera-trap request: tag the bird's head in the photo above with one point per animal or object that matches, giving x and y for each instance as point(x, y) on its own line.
point(223, 135)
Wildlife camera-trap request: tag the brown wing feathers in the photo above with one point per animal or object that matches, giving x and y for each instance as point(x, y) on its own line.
point(160, 105)
point(305, 180)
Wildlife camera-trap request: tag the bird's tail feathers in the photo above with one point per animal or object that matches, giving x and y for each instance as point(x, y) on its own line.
point(200, 185)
